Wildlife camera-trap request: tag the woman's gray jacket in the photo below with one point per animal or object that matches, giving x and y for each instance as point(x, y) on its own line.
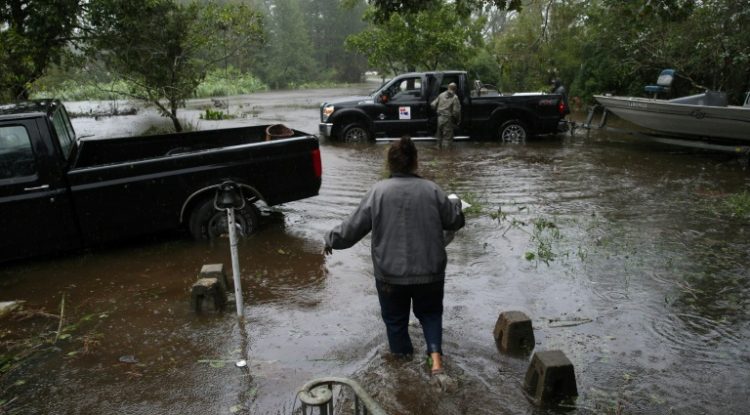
point(407, 216)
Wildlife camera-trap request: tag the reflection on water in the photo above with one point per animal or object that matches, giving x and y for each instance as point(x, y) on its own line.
point(647, 268)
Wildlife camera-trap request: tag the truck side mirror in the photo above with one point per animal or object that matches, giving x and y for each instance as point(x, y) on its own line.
point(383, 98)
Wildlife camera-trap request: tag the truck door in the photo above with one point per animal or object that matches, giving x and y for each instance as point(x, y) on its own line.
point(406, 109)
point(35, 211)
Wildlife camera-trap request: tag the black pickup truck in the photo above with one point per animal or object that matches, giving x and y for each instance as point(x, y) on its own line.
point(61, 193)
point(402, 106)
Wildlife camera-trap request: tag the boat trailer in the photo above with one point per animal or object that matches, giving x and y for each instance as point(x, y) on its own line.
point(655, 137)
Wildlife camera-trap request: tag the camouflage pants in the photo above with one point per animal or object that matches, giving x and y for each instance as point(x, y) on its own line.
point(444, 134)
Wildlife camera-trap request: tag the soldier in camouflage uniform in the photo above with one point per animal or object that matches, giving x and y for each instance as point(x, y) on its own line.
point(448, 108)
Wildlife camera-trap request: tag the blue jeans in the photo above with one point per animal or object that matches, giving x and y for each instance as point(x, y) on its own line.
point(395, 304)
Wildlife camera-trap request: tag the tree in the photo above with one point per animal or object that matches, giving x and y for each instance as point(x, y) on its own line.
point(33, 34)
point(329, 25)
point(288, 56)
point(164, 49)
point(626, 45)
point(430, 39)
point(384, 9)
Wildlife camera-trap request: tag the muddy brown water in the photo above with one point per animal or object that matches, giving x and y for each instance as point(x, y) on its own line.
point(641, 279)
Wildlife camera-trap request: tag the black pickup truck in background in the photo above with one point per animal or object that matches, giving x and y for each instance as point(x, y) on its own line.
point(402, 106)
point(61, 193)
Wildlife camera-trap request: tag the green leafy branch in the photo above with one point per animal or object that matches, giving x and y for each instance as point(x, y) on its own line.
point(543, 234)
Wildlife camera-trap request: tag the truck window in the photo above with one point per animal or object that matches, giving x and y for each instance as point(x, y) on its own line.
point(407, 89)
point(64, 130)
point(447, 79)
point(16, 156)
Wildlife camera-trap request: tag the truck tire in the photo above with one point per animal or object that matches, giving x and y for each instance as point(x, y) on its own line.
point(513, 131)
point(207, 223)
point(355, 133)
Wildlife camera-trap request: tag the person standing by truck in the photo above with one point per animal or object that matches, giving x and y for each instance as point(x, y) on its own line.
point(558, 88)
point(448, 108)
point(407, 216)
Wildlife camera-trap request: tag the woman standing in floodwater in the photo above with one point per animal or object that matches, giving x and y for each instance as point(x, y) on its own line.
point(407, 216)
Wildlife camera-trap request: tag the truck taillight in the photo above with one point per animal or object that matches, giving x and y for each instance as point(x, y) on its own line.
point(561, 107)
point(317, 165)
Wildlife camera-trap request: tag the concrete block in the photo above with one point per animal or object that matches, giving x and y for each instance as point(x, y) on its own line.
point(207, 295)
point(215, 271)
point(513, 333)
point(550, 377)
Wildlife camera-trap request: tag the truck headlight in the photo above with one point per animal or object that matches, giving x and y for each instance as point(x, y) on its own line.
point(327, 111)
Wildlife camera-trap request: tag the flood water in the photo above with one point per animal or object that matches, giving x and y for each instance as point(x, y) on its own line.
point(640, 277)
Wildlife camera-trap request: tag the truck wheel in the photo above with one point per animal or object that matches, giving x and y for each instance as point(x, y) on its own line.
point(207, 223)
point(513, 131)
point(355, 133)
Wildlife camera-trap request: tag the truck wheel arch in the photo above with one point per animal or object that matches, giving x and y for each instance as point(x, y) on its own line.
point(355, 132)
point(349, 117)
point(504, 118)
point(251, 195)
point(513, 131)
point(208, 223)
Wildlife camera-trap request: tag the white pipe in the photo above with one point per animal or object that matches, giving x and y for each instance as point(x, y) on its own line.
point(235, 262)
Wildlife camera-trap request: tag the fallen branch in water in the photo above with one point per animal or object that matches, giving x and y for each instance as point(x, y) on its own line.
point(62, 318)
point(22, 315)
point(555, 323)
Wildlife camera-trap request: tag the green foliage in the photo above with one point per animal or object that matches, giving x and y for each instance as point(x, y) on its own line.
point(212, 114)
point(159, 128)
point(289, 55)
point(626, 44)
point(33, 35)
point(329, 24)
point(738, 204)
point(544, 235)
point(229, 81)
point(164, 48)
point(74, 90)
point(218, 82)
point(166, 51)
point(435, 38)
point(477, 206)
point(383, 10)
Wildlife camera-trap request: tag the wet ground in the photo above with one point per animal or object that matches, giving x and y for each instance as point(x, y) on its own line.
point(625, 254)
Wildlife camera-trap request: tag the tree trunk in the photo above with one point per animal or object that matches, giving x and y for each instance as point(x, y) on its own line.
point(20, 93)
point(176, 122)
point(173, 115)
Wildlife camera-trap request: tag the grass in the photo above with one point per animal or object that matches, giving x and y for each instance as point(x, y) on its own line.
point(40, 333)
point(164, 126)
point(71, 90)
point(220, 82)
point(227, 82)
point(738, 204)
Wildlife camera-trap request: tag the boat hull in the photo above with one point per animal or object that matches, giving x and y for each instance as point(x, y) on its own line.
point(699, 121)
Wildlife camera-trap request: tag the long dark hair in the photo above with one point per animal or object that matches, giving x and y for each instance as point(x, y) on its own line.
point(402, 156)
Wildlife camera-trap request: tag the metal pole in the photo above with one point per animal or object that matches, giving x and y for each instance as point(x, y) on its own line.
point(235, 262)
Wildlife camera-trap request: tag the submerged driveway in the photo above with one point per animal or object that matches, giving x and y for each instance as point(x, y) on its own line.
point(623, 254)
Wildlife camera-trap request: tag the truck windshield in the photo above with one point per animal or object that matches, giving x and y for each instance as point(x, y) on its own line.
point(65, 134)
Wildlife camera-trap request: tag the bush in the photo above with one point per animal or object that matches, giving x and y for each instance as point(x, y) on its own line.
point(219, 82)
point(71, 90)
point(230, 81)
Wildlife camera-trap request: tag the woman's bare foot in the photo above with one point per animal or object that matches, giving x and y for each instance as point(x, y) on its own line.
point(437, 363)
